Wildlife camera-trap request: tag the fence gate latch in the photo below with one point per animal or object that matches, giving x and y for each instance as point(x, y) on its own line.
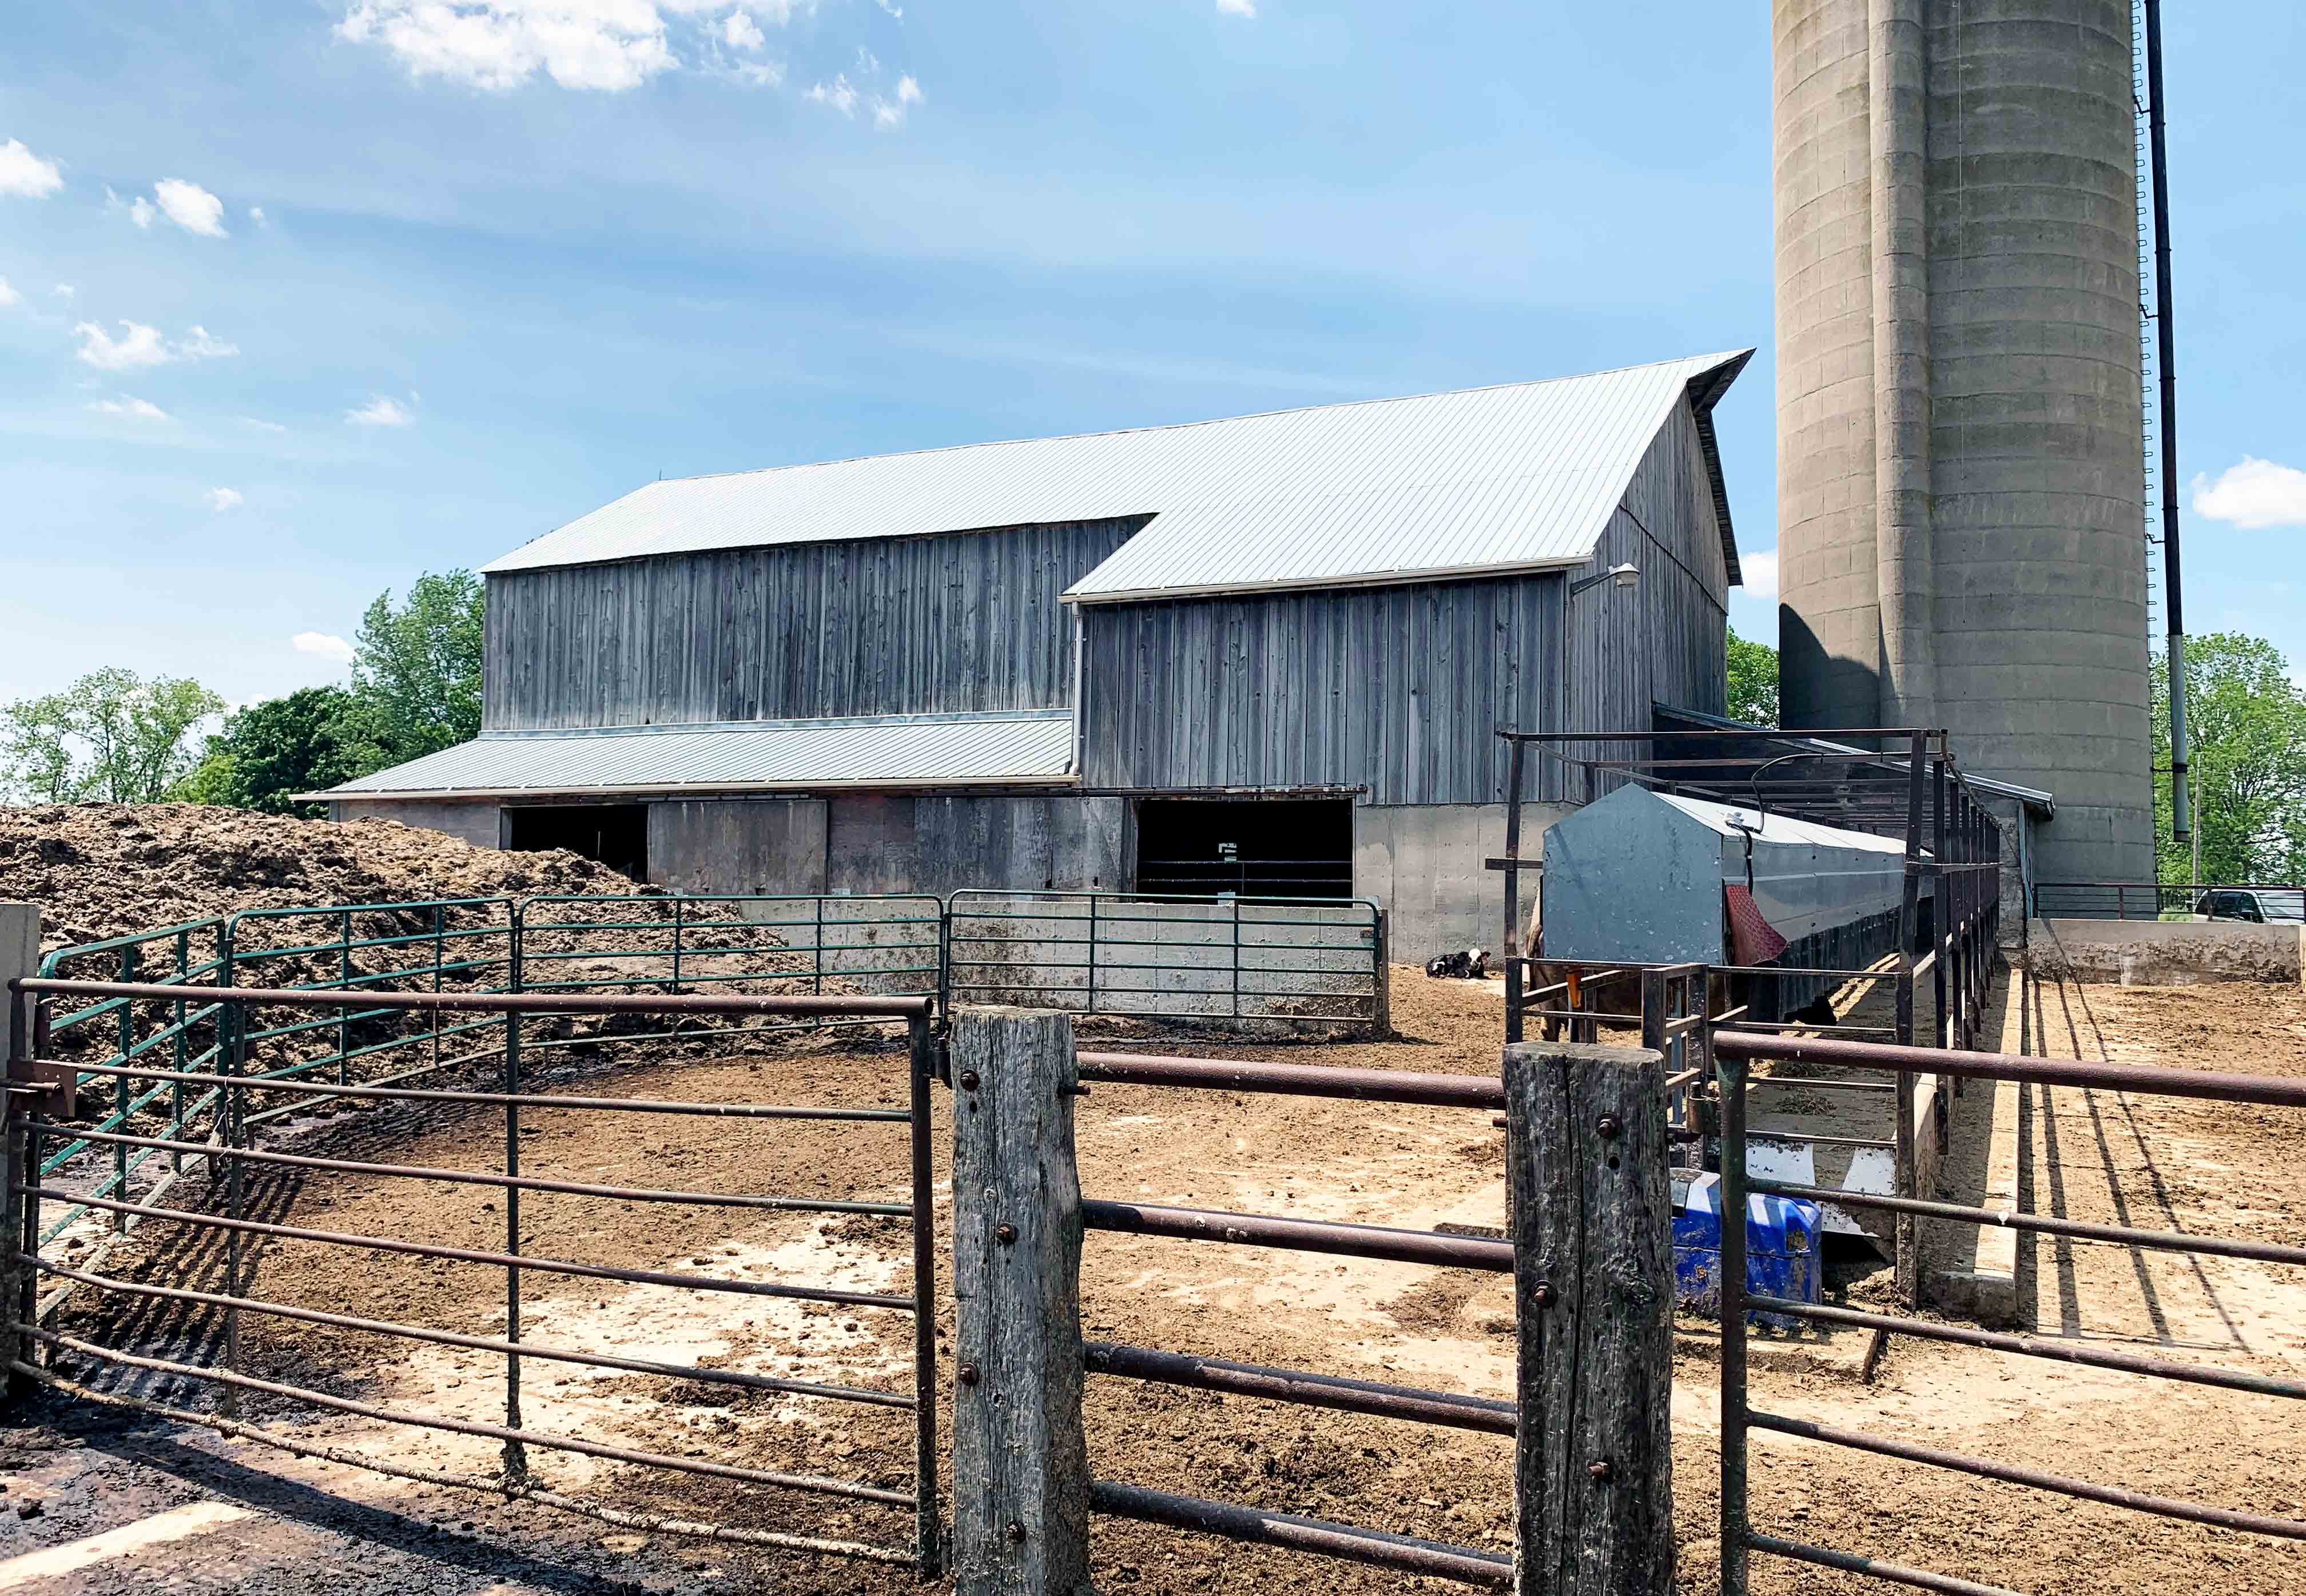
point(57, 1081)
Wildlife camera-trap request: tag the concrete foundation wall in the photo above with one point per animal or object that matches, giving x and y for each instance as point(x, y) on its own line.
point(1422, 863)
point(477, 822)
point(2166, 952)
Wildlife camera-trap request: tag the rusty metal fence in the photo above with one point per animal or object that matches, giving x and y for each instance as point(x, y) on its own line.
point(132, 1103)
point(1234, 1521)
point(1733, 1051)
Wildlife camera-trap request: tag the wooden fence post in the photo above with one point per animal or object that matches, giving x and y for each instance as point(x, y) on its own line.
point(1593, 1295)
point(20, 956)
point(1019, 1464)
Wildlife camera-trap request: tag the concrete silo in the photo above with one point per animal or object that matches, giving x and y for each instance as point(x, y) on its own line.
point(1960, 490)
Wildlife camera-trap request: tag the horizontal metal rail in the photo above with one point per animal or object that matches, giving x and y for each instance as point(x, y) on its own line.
point(1813, 1083)
point(493, 1003)
point(2079, 1230)
point(1302, 1235)
point(2208, 1085)
point(2010, 1474)
point(1757, 1133)
point(497, 1488)
point(524, 1262)
point(1921, 1579)
point(2029, 1346)
point(318, 1088)
point(1301, 1387)
point(1305, 1080)
point(467, 1177)
point(482, 1344)
point(814, 1484)
point(1257, 1527)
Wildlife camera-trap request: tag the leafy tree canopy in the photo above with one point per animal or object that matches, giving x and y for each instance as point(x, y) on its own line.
point(112, 735)
point(2247, 722)
point(1753, 681)
point(270, 751)
point(416, 674)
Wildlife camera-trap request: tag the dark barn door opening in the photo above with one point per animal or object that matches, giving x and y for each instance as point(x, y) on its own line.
point(616, 834)
point(1261, 848)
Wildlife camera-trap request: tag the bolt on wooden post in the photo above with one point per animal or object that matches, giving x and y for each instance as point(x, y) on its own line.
point(1593, 1298)
point(1019, 1461)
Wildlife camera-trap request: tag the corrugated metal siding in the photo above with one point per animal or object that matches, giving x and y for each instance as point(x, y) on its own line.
point(1513, 475)
point(927, 751)
point(1398, 688)
point(876, 626)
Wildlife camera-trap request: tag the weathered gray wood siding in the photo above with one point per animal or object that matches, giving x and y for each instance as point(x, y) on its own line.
point(1664, 642)
point(1398, 688)
point(880, 625)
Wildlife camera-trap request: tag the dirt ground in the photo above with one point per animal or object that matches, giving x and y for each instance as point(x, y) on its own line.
point(2096, 1156)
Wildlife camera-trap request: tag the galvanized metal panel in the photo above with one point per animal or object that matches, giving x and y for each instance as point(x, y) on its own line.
point(1514, 476)
point(884, 751)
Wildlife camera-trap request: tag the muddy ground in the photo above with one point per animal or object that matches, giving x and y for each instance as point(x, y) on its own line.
point(2097, 1156)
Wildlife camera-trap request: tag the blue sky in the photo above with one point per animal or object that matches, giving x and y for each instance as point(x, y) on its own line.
point(305, 297)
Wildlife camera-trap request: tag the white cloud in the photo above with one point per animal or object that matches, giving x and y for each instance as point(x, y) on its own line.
point(381, 410)
point(8, 294)
point(190, 207)
point(740, 32)
point(2257, 493)
point(1760, 566)
point(840, 94)
point(1238, 8)
point(897, 11)
point(760, 74)
point(141, 212)
point(891, 113)
point(63, 290)
point(140, 345)
point(322, 644)
point(143, 410)
point(221, 499)
point(197, 344)
point(256, 215)
point(609, 44)
point(25, 175)
point(262, 426)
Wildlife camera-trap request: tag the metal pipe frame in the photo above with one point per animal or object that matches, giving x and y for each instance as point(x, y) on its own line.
point(1376, 1397)
point(489, 1002)
point(1256, 1527)
point(1303, 1081)
point(1301, 1236)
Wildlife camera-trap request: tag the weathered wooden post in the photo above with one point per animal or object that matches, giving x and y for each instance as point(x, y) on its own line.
point(20, 956)
point(1593, 1293)
point(1020, 1464)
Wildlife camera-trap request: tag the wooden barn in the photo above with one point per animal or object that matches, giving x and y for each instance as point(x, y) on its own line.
point(1262, 655)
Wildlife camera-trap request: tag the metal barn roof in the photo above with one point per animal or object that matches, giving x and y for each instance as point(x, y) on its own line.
point(1521, 477)
point(1010, 748)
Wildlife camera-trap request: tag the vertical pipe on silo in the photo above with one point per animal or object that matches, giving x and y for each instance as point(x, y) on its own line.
point(1897, 92)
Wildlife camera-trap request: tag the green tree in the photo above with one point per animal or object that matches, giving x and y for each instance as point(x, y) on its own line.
point(1753, 681)
point(270, 751)
point(2247, 722)
point(416, 674)
point(112, 735)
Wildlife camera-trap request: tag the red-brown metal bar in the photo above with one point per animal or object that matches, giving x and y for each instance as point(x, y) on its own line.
point(2010, 1473)
point(2029, 1346)
point(466, 1255)
point(1305, 1080)
point(484, 1002)
point(1303, 1235)
point(1301, 1387)
point(465, 1177)
point(1920, 1579)
point(556, 1443)
point(482, 1344)
point(2211, 1085)
point(743, 1111)
point(1259, 1527)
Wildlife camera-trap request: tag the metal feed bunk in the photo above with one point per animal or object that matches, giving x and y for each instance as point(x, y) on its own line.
point(1909, 787)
